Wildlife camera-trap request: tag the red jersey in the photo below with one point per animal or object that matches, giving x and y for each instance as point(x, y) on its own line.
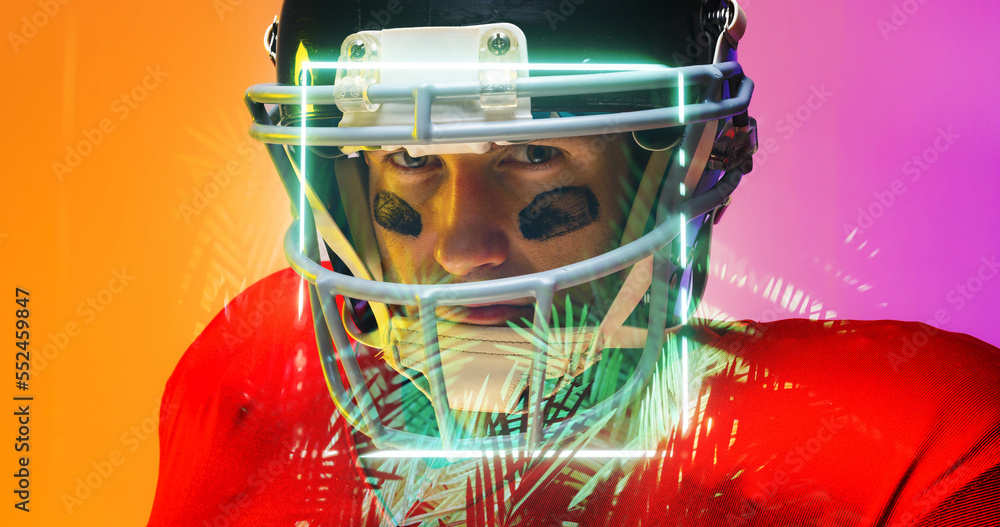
point(797, 422)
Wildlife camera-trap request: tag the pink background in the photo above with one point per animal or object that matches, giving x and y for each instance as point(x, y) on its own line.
point(896, 74)
point(120, 209)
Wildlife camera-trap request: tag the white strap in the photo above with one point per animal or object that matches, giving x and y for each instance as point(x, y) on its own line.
point(355, 202)
point(645, 195)
point(333, 236)
point(641, 275)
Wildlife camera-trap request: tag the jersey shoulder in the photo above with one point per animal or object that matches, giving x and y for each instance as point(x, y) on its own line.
point(899, 356)
point(248, 430)
point(901, 420)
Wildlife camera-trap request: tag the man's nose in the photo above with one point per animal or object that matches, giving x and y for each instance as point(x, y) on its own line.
point(472, 236)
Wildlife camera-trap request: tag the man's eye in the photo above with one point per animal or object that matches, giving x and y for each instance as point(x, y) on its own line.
point(533, 154)
point(405, 160)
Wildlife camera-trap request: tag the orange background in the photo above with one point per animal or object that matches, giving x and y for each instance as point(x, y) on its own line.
point(174, 196)
point(142, 202)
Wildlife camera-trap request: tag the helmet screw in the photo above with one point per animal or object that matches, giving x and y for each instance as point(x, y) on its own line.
point(499, 44)
point(357, 49)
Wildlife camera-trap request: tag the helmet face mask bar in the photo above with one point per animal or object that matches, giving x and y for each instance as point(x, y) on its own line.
point(495, 100)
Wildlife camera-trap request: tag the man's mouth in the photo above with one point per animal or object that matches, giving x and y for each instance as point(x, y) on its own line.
point(498, 314)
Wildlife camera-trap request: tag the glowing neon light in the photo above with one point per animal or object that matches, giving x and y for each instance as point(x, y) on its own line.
point(685, 396)
point(467, 454)
point(684, 301)
point(680, 96)
point(478, 454)
point(483, 66)
point(682, 154)
point(302, 188)
point(683, 241)
point(302, 294)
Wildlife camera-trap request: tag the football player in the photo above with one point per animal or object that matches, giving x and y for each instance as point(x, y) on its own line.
point(502, 219)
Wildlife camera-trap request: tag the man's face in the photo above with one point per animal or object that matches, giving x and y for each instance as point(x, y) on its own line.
point(512, 211)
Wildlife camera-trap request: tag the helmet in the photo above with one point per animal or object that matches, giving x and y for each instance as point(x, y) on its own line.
point(453, 76)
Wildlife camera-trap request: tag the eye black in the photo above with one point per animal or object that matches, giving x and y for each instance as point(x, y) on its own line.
point(538, 154)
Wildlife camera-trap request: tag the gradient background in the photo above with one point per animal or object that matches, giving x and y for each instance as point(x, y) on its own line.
point(891, 86)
